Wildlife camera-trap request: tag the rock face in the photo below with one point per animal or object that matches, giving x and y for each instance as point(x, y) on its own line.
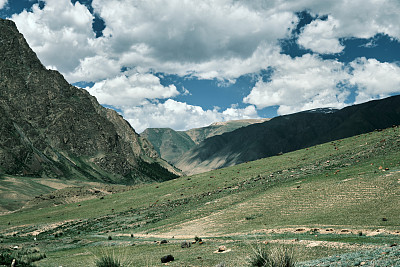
point(51, 128)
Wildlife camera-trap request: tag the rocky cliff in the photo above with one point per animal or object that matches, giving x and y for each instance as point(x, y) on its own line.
point(51, 128)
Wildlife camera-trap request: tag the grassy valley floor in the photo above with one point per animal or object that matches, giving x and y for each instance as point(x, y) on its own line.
point(339, 198)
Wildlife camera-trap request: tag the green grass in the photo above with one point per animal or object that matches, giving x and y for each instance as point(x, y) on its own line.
point(346, 184)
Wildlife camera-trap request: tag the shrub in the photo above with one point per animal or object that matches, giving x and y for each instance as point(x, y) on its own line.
point(185, 244)
point(108, 261)
point(273, 257)
point(167, 258)
point(35, 257)
point(7, 257)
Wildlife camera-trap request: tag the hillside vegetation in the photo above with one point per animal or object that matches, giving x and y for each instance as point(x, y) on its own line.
point(341, 196)
point(289, 133)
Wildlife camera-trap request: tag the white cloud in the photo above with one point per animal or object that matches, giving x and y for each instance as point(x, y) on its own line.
point(209, 39)
point(309, 82)
point(188, 31)
point(3, 3)
point(301, 83)
point(96, 68)
point(358, 18)
point(320, 36)
point(374, 79)
point(59, 33)
point(131, 89)
point(181, 116)
point(200, 37)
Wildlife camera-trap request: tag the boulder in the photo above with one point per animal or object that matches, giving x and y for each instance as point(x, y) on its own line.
point(167, 258)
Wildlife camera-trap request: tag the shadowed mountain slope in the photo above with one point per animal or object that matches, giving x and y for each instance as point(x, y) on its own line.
point(49, 128)
point(171, 144)
point(289, 133)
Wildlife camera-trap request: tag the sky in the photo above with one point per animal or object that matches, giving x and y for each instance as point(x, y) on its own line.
point(184, 64)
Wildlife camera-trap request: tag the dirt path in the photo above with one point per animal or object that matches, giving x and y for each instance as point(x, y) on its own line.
point(199, 229)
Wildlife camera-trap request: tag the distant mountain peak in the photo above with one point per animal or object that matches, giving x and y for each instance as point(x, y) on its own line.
point(249, 121)
point(321, 110)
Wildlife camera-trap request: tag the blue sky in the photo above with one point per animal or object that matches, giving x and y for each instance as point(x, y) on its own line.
point(185, 64)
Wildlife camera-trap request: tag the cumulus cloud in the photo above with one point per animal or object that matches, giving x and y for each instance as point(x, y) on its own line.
point(3, 3)
point(130, 90)
point(321, 36)
point(374, 79)
point(189, 37)
point(94, 69)
point(358, 18)
point(309, 82)
point(211, 39)
point(181, 116)
point(301, 83)
point(59, 33)
point(188, 31)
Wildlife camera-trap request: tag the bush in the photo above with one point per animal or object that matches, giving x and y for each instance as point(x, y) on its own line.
point(22, 258)
point(108, 261)
point(273, 257)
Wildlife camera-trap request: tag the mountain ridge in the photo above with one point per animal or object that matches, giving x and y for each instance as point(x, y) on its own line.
point(288, 133)
point(171, 144)
point(50, 128)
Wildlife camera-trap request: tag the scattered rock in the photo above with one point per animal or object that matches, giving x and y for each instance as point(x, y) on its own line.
point(163, 241)
point(185, 244)
point(221, 248)
point(312, 244)
point(167, 258)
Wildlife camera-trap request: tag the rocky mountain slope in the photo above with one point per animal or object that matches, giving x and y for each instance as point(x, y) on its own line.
point(171, 144)
point(49, 128)
point(289, 133)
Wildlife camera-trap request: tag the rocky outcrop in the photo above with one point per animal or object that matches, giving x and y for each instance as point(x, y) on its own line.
point(51, 128)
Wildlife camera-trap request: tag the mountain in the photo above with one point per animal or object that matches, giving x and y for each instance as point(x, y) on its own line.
point(218, 128)
point(49, 128)
point(171, 144)
point(288, 133)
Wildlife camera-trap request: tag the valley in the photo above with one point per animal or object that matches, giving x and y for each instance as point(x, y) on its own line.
point(335, 198)
point(79, 186)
